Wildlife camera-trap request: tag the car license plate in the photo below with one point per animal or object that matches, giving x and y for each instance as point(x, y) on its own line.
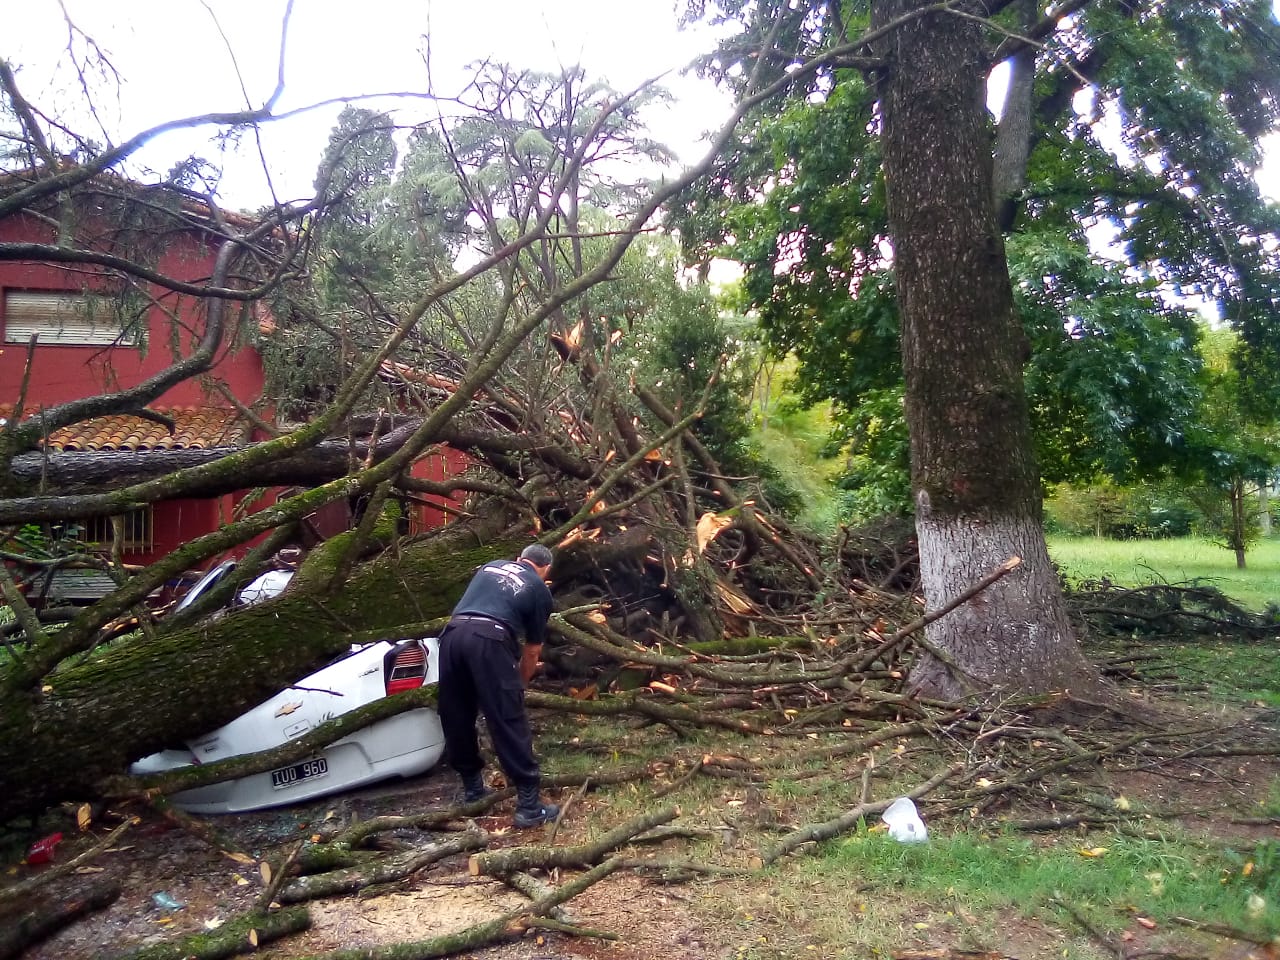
point(307, 770)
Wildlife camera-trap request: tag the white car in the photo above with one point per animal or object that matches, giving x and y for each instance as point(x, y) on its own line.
point(262, 587)
point(401, 746)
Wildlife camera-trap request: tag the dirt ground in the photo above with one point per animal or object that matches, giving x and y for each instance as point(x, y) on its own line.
point(175, 883)
point(160, 864)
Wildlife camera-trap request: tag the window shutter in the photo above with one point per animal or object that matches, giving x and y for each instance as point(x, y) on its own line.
point(66, 319)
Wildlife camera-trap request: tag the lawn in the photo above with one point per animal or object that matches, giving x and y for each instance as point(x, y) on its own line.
point(1135, 562)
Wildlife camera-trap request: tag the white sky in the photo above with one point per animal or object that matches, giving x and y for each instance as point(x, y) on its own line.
point(175, 63)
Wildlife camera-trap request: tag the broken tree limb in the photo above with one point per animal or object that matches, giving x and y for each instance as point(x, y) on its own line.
point(482, 934)
point(275, 879)
point(30, 886)
point(383, 870)
point(622, 470)
point(679, 868)
point(750, 519)
point(815, 832)
point(345, 842)
point(570, 929)
point(29, 928)
point(523, 858)
point(244, 934)
point(356, 834)
point(185, 778)
point(598, 638)
point(641, 704)
point(204, 830)
point(535, 889)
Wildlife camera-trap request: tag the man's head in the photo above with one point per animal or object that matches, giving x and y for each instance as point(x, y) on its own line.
point(538, 557)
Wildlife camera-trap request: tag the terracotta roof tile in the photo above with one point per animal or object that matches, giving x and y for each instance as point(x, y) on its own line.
point(194, 428)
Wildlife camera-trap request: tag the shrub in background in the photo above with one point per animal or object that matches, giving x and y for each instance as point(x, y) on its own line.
point(1150, 511)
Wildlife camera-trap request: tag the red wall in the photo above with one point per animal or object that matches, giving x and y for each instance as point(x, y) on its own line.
point(62, 373)
point(440, 464)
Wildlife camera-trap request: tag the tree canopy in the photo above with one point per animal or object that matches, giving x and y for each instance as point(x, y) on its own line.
point(1124, 154)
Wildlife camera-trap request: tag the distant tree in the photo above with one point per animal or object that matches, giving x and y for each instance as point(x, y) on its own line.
point(1236, 450)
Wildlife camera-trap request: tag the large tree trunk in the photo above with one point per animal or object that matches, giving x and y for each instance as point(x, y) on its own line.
point(85, 722)
point(1013, 134)
point(974, 480)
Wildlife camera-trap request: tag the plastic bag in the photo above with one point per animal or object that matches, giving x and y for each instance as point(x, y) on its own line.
point(904, 822)
point(165, 901)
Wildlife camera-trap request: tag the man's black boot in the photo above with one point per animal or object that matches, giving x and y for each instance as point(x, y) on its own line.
point(530, 810)
point(473, 788)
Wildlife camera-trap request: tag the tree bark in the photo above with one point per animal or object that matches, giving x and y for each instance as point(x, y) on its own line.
point(384, 870)
point(975, 483)
point(1013, 133)
point(154, 691)
point(20, 932)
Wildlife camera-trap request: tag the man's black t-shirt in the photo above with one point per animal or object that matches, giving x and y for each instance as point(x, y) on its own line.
point(513, 593)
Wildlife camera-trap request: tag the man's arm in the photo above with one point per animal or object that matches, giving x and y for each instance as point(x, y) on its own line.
point(529, 656)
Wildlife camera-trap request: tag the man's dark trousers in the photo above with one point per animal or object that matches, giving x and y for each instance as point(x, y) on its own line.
point(480, 671)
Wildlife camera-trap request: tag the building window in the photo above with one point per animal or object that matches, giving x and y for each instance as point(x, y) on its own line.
point(137, 534)
point(60, 319)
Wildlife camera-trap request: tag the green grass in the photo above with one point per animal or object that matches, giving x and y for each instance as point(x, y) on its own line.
point(1230, 671)
point(866, 895)
point(793, 444)
point(972, 886)
point(966, 886)
point(1136, 562)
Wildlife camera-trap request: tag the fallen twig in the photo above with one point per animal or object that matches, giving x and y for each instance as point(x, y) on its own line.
point(814, 832)
point(384, 870)
point(523, 858)
point(26, 888)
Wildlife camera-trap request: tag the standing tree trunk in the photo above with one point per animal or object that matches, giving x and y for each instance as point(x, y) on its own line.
point(1013, 134)
point(975, 483)
point(1238, 536)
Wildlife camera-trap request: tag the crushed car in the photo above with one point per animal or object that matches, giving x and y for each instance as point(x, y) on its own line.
point(405, 745)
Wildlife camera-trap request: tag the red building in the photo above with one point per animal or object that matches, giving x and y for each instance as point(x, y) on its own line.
point(97, 334)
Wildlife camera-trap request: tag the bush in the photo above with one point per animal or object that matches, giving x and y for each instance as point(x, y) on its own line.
point(1146, 511)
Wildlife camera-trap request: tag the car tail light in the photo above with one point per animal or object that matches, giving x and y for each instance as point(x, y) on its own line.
point(405, 666)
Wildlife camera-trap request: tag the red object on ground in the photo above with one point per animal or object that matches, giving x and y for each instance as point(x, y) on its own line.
point(42, 850)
